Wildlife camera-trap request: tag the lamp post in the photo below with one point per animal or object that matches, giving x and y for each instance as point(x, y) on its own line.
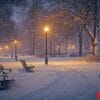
point(15, 43)
point(46, 29)
point(11, 49)
point(5, 51)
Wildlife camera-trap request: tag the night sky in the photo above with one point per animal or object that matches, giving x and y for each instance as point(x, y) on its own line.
point(17, 17)
point(13, 14)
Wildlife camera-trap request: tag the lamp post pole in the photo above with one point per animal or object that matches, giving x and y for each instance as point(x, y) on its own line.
point(11, 50)
point(46, 29)
point(16, 57)
point(46, 51)
point(15, 51)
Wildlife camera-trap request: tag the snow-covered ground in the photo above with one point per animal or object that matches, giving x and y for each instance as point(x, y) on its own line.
point(63, 79)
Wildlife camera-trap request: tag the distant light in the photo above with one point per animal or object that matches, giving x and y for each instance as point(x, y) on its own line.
point(6, 47)
point(46, 29)
point(0, 48)
point(73, 46)
point(15, 41)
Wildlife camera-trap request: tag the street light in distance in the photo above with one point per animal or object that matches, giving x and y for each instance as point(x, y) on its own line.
point(15, 43)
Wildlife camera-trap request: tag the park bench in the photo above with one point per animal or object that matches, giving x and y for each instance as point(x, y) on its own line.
point(5, 83)
point(27, 68)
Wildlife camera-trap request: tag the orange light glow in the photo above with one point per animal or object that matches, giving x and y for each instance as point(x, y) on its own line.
point(0, 48)
point(15, 41)
point(46, 29)
point(6, 47)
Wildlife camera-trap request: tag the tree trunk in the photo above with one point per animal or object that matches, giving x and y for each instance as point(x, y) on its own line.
point(94, 50)
point(79, 31)
point(95, 25)
point(50, 46)
point(92, 38)
point(80, 43)
point(66, 44)
point(33, 43)
point(54, 46)
point(59, 49)
point(94, 47)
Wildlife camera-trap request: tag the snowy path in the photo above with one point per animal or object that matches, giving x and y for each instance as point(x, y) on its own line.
point(70, 84)
point(60, 80)
point(27, 82)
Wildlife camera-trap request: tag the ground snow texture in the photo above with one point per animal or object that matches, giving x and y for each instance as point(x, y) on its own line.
point(59, 80)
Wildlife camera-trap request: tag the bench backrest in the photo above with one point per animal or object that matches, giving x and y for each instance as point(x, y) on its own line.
point(1, 68)
point(23, 63)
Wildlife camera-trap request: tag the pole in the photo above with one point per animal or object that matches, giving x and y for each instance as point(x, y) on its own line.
point(11, 51)
point(80, 44)
point(16, 52)
point(46, 53)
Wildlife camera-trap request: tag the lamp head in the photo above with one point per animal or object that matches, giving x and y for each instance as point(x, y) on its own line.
point(15, 41)
point(6, 47)
point(46, 29)
point(0, 48)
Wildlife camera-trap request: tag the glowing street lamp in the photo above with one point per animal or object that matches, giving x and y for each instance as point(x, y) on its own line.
point(46, 30)
point(6, 47)
point(15, 43)
point(0, 48)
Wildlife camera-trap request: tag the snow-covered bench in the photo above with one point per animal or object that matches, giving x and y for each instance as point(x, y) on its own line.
point(4, 82)
point(27, 68)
